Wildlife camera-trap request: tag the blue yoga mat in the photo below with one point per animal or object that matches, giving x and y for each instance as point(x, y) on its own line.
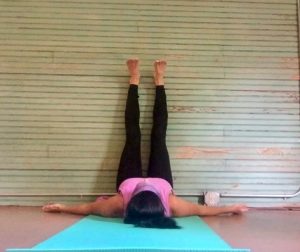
point(94, 233)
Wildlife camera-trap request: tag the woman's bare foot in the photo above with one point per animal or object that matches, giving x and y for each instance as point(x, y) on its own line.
point(159, 72)
point(53, 208)
point(134, 71)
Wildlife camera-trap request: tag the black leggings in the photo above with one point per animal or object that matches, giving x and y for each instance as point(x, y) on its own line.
point(159, 164)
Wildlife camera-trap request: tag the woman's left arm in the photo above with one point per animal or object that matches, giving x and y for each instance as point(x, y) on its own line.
point(181, 208)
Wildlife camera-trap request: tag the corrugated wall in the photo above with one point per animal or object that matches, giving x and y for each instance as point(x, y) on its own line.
point(232, 82)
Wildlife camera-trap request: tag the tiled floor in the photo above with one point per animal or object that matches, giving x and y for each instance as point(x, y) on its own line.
point(259, 230)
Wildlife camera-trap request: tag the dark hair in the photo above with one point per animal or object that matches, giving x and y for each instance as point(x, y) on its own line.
point(145, 209)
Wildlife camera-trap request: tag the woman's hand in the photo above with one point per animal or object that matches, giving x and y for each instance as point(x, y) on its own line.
point(53, 208)
point(239, 209)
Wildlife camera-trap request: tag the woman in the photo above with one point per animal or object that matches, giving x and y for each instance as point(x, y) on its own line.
point(146, 202)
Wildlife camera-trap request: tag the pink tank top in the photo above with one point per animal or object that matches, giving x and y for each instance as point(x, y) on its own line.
point(161, 187)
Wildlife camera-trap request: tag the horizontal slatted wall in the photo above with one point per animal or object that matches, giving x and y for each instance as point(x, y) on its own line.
point(232, 82)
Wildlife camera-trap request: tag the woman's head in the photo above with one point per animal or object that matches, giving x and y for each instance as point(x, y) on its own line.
point(145, 209)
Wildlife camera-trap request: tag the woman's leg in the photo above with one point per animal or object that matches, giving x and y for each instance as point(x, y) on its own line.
point(130, 163)
point(159, 164)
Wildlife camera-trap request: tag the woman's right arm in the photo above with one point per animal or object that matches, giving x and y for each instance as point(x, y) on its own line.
point(111, 207)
